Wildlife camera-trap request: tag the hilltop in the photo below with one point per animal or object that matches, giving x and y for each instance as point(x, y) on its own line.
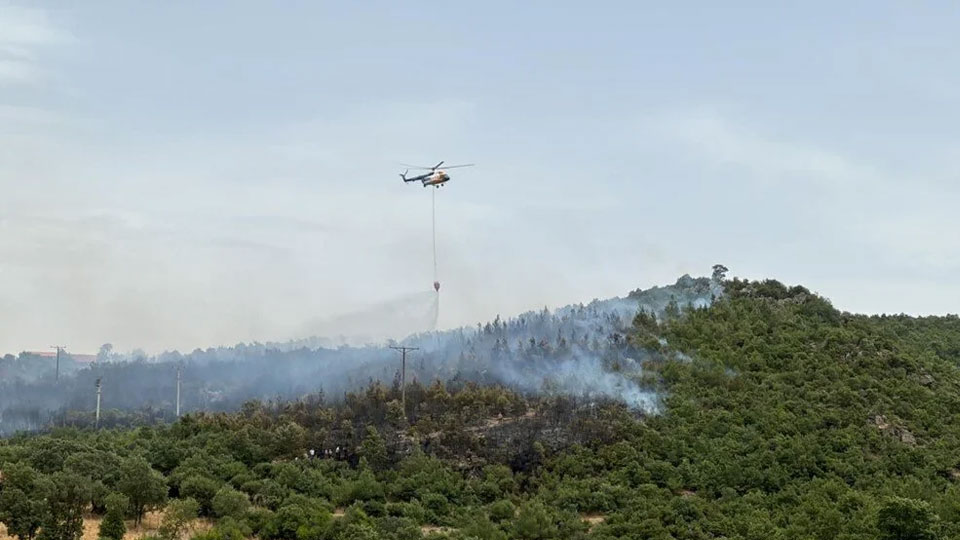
point(778, 416)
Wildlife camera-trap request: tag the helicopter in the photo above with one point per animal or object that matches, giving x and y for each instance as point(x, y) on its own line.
point(436, 177)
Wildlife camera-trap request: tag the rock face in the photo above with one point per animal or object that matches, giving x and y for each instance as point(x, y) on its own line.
point(905, 436)
point(881, 422)
point(900, 432)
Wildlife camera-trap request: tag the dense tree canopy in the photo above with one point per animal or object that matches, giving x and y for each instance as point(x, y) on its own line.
point(780, 417)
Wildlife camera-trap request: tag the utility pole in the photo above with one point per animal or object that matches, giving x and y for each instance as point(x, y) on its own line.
point(97, 424)
point(178, 390)
point(403, 376)
point(59, 348)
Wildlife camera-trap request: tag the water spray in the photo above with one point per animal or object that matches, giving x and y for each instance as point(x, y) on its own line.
point(436, 280)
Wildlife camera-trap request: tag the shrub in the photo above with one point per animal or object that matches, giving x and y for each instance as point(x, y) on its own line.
point(230, 502)
point(113, 527)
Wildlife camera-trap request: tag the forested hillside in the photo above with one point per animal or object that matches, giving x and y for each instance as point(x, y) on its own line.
point(570, 349)
point(777, 417)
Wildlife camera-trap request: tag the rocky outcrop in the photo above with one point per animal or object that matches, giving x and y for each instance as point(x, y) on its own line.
point(900, 432)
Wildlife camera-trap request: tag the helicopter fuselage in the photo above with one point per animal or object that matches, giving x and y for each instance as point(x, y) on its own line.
point(438, 178)
point(435, 178)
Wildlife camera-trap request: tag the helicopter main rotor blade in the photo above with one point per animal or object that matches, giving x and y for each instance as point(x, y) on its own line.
point(416, 167)
point(435, 167)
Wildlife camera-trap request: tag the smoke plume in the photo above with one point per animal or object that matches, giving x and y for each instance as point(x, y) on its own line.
point(578, 350)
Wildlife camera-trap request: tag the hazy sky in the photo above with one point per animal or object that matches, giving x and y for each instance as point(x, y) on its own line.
point(183, 174)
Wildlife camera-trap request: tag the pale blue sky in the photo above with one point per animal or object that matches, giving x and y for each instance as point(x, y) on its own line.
point(194, 174)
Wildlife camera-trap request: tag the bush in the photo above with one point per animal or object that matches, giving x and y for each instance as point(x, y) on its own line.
point(177, 516)
point(284, 524)
point(906, 519)
point(230, 502)
point(374, 508)
point(231, 529)
point(364, 488)
point(257, 518)
point(480, 528)
point(354, 525)
point(317, 526)
point(226, 529)
point(502, 510)
point(202, 490)
point(399, 528)
point(412, 510)
point(437, 507)
point(266, 493)
point(113, 527)
point(307, 521)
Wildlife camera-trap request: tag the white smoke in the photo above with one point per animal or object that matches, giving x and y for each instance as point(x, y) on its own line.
point(577, 375)
point(578, 350)
point(377, 323)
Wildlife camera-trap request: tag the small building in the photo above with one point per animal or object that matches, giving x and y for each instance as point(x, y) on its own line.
point(79, 358)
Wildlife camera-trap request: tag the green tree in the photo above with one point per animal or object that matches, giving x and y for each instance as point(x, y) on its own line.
point(364, 488)
point(21, 502)
point(202, 490)
point(316, 526)
point(66, 495)
point(48, 454)
point(481, 528)
point(374, 449)
point(230, 502)
point(502, 510)
point(359, 531)
point(672, 309)
point(258, 520)
point(144, 487)
point(719, 272)
point(284, 524)
point(113, 527)
point(289, 440)
point(22, 513)
point(354, 525)
point(225, 529)
point(177, 517)
point(534, 522)
point(101, 469)
point(906, 519)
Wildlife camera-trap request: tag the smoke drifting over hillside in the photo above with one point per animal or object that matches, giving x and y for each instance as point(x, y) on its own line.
point(393, 319)
point(578, 350)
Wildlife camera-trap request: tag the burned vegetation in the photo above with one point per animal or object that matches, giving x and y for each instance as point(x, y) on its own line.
point(779, 417)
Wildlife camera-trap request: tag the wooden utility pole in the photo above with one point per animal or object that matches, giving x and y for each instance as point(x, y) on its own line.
point(97, 423)
point(403, 376)
point(59, 348)
point(178, 390)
